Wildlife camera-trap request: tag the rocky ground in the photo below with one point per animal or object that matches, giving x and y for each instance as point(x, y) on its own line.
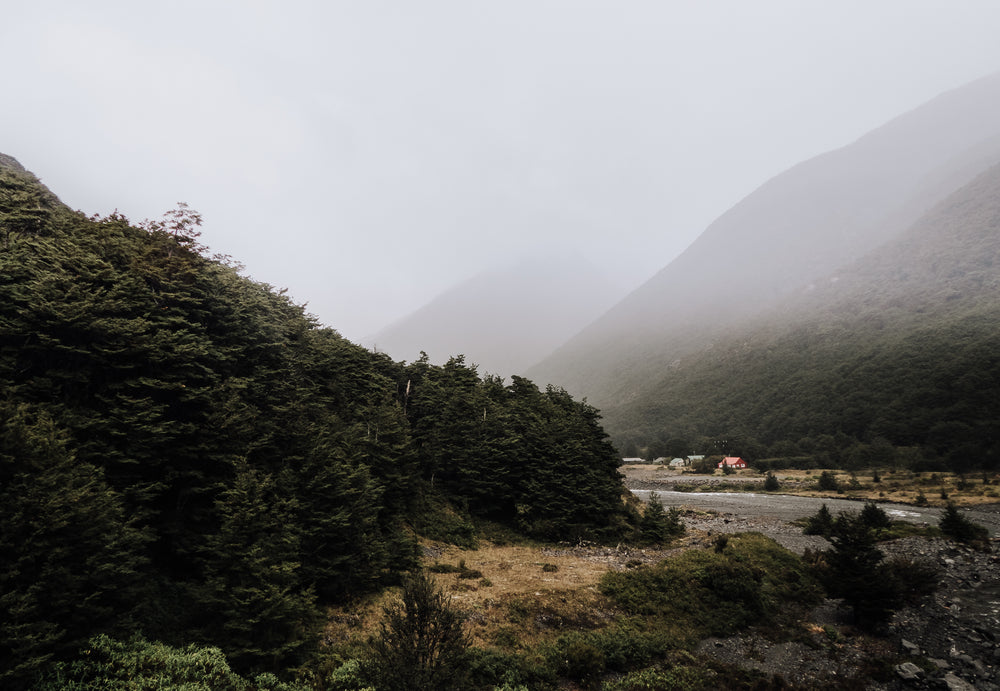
point(950, 640)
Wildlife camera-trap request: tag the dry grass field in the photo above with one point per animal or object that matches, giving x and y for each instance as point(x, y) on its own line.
point(513, 595)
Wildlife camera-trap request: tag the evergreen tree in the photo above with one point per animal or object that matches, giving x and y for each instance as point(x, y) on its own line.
point(959, 528)
point(771, 483)
point(658, 526)
point(421, 644)
point(26, 207)
point(72, 562)
point(873, 516)
point(337, 509)
point(857, 574)
point(252, 603)
point(821, 523)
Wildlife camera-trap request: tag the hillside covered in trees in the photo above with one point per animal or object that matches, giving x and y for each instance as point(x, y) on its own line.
point(895, 359)
point(186, 454)
point(845, 311)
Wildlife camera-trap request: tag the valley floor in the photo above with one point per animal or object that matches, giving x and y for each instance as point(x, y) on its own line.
point(517, 596)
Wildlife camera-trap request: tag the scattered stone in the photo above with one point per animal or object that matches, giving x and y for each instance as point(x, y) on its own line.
point(911, 648)
point(908, 671)
point(955, 683)
point(939, 663)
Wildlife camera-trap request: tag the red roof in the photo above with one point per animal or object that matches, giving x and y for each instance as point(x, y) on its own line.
point(734, 461)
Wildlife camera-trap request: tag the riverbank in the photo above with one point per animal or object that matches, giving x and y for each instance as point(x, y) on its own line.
point(899, 487)
point(950, 638)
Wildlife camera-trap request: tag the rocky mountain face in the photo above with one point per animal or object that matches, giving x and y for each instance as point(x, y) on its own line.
point(796, 230)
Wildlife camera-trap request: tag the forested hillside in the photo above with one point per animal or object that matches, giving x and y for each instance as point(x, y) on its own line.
point(186, 454)
point(892, 359)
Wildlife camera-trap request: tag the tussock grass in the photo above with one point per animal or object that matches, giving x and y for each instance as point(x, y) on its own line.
point(590, 614)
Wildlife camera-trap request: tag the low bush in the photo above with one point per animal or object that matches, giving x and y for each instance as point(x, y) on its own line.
point(959, 528)
point(855, 569)
point(820, 523)
point(874, 517)
point(914, 580)
point(657, 526)
point(111, 664)
point(827, 482)
point(708, 592)
point(489, 668)
point(673, 678)
point(440, 521)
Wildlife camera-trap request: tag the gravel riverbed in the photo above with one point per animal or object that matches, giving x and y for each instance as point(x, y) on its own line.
point(950, 640)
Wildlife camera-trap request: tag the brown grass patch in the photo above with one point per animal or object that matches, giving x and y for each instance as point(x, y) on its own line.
point(525, 594)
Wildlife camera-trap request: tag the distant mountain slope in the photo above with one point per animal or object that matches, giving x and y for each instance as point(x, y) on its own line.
point(902, 346)
point(797, 227)
point(506, 319)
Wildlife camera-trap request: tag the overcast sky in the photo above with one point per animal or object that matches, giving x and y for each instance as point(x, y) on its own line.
point(367, 155)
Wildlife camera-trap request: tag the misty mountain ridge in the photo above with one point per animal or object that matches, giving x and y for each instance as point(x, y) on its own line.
point(800, 226)
point(506, 318)
point(899, 349)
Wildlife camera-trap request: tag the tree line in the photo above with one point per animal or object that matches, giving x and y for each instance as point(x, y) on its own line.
point(837, 392)
point(187, 454)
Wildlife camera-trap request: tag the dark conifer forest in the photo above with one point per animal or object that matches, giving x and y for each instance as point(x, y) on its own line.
point(186, 454)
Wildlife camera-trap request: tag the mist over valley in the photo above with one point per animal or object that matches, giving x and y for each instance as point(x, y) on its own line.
point(459, 306)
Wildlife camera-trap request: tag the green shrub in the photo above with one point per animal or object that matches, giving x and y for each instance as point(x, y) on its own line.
point(440, 521)
point(348, 677)
point(658, 526)
point(853, 570)
point(707, 465)
point(874, 517)
point(492, 668)
point(721, 542)
point(581, 661)
point(913, 579)
point(116, 665)
point(820, 523)
point(961, 529)
point(674, 678)
point(771, 483)
point(704, 592)
point(828, 482)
